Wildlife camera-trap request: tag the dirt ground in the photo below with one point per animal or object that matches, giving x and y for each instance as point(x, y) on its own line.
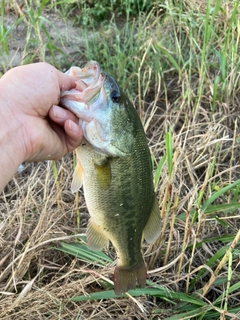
point(64, 36)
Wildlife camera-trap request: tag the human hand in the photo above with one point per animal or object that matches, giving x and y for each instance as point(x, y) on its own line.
point(32, 125)
point(31, 94)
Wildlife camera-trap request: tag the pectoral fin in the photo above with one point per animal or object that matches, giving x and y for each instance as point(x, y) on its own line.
point(103, 173)
point(77, 178)
point(96, 239)
point(153, 227)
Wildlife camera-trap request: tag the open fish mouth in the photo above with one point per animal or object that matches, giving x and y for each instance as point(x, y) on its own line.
point(89, 82)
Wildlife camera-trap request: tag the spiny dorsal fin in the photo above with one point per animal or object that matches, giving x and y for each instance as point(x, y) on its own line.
point(96, 239)
point(77, 178)
point(152, 229)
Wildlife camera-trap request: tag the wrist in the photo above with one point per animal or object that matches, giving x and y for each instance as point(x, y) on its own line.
point(11, 144)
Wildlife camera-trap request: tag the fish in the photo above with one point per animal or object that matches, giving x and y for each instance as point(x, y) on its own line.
point(115, 169)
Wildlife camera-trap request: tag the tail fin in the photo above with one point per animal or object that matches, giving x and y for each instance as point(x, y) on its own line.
point(125, 278)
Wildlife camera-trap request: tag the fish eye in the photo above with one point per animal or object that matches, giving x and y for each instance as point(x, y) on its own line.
point(115, 96)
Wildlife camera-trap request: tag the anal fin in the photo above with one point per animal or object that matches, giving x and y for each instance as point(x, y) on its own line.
point(152, 229)
point(96, 239)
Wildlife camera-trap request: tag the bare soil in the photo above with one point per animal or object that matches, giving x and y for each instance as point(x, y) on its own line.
point(69, 39)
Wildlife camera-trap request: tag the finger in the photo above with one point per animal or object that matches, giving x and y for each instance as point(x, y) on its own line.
point(56, 141)
point(74, 135)
point(66, 82)
point(60, 115)
point(67, 129)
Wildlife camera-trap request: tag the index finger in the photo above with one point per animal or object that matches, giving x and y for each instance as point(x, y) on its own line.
point(66, 82)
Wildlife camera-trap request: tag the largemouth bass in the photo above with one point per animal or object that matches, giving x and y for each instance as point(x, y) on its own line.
point(114, 166)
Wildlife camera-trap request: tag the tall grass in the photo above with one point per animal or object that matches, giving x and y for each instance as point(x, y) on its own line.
point(179, 63)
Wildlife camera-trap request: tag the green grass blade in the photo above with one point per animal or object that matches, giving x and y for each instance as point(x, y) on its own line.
point(169, 151)
point(234, 287)
point(81, 251)
point(169, 57)
point(223, 239)
point(211, 262)
point(214, 209)
point(224, 207)
point(162, 292)
point(219, 193)
point(190, 314)
point(159, 170)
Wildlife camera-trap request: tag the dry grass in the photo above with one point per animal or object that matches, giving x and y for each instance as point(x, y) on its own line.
point(38, 211)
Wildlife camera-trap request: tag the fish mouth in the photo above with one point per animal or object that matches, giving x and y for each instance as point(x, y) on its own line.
point(89, 102)
point(89, 82)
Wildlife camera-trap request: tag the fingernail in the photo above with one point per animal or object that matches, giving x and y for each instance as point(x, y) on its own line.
point(59, 112)
point(73, 126)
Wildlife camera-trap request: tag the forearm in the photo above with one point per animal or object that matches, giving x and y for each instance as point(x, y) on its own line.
point(11, 155)
point(8, 167)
